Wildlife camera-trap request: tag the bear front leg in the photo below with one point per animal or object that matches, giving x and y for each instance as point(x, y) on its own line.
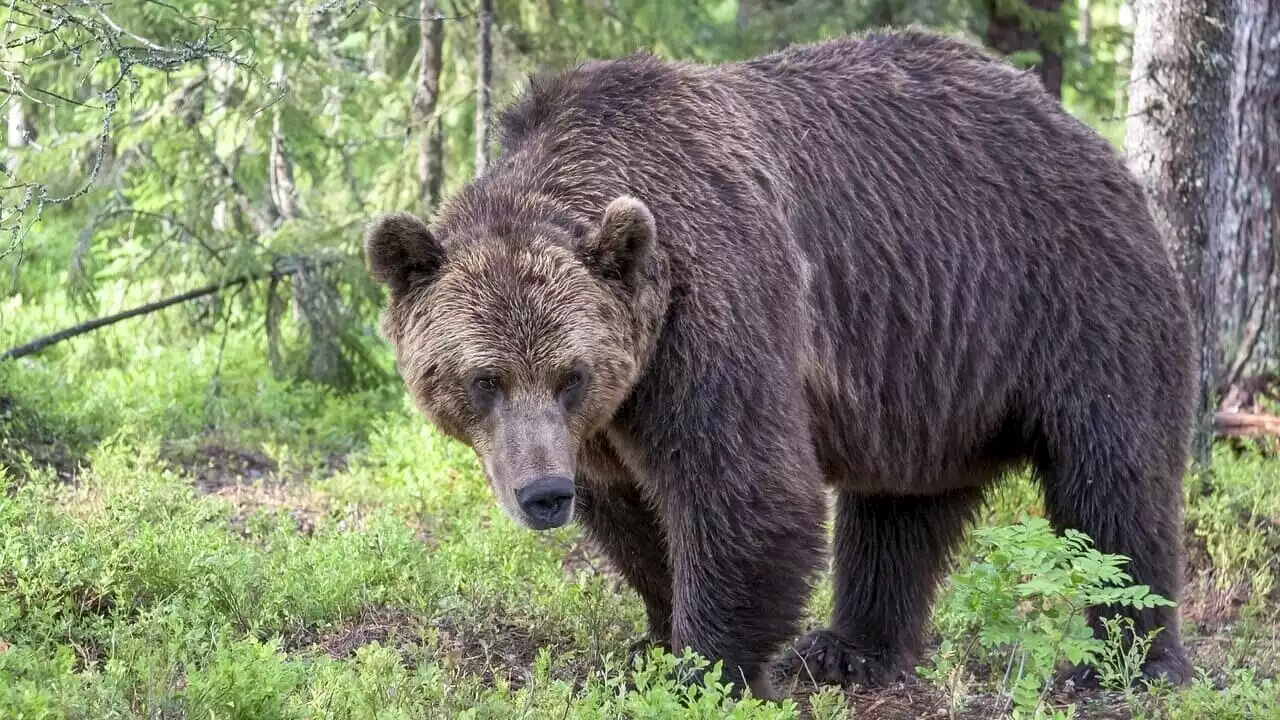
point(746, 542)
point(619, 523)
point(890, 555)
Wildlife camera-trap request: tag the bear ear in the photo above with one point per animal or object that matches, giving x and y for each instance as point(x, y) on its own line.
point(619, 248)
point(399, 248)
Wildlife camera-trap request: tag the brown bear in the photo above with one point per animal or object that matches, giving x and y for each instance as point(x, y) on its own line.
point(684, 297)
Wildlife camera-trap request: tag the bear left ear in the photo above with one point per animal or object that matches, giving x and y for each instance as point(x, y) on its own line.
point(399, 248)
point(626, 235)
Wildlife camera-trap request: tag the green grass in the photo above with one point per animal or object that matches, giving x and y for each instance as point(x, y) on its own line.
point(172, 546)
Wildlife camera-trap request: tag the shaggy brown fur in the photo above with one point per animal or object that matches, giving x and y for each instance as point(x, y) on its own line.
point(890, 263)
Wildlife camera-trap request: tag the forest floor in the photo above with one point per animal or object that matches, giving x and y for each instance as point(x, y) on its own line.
point(171, 546)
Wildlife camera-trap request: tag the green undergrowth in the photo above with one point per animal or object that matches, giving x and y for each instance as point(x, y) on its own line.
point(184, 535)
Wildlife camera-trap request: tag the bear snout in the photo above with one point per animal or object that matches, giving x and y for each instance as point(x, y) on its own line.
point(547, 502)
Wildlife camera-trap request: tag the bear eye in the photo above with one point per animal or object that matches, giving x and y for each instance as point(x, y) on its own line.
point(571, 387)
point(573, 380)
point(483, 392)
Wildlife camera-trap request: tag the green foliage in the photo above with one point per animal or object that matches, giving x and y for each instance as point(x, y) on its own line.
point(158, 124)
point(1020, 606)
point(1243, 696)
point(1234, 515)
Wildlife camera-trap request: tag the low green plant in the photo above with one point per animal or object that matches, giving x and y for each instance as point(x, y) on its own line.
point(1241, 695)
point(1019, 608)
point(829, 703)
point(1119, 661)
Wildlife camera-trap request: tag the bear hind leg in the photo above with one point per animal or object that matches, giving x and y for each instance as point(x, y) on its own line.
point(890, 554)
point(1128, 502)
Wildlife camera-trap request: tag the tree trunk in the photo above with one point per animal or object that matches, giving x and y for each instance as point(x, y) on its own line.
point(1176, 142)
point(484, 78)
point(19, 131)
point(1084, 29)
point(1008, 34)
point(1247, 277)
point(284, 196)
point(425, 98)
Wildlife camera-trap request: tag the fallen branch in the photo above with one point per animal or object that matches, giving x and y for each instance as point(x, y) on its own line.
point(1246, 425)
point(39, 344)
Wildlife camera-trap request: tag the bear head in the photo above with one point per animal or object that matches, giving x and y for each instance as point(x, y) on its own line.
point(521, 339)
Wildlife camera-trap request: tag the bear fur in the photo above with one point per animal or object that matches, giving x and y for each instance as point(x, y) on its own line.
point(889, 265)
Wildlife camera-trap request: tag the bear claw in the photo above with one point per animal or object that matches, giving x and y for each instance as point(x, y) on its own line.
point(830, 660)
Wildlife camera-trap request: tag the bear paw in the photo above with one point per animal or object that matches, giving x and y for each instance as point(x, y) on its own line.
point(830, 660)
point(1174, 667)
point(640, 647)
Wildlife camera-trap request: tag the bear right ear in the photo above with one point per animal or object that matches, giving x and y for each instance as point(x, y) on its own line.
point(399, 248)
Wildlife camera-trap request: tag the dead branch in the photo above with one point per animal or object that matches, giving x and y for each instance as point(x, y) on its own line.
point(1246, 425)
point(41, 343)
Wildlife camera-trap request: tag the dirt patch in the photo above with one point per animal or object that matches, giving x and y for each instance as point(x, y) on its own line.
point(214, 466)
point(903, 700)
point(1210, 609)
point(914, 698)
point(215, 463)
point(307, 507)
point(387, 626)
point(503, 649)
point(254, 482)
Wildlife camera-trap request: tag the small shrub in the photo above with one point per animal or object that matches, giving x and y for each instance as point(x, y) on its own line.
point(1018, 608)
point(1243, 696)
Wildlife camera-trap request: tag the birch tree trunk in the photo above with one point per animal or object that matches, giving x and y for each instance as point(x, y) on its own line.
point(1176, 143)
point(18, 131)
point(484, 79)
point(1247, 279)
point(284, 195)
point(425, 98)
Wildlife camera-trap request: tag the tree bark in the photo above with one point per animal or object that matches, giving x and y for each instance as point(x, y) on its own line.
point(425, 98)
point(484, 79)
point(1176, 141)
point(1008, 34)
point(1247, 277)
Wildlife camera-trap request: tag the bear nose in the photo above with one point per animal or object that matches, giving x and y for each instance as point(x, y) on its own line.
point(547, 501)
